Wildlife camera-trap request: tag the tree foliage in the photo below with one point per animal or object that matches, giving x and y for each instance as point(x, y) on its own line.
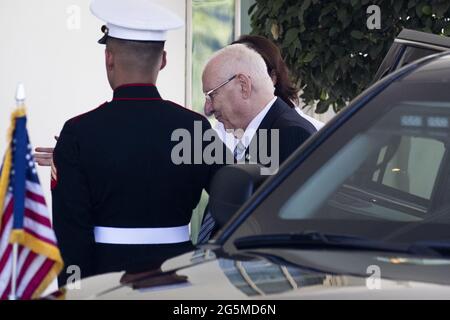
point(328, 47)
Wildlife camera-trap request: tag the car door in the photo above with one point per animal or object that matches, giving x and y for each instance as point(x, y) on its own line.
point(411, 45)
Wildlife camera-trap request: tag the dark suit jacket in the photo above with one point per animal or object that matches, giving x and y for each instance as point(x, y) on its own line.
point(292, 129)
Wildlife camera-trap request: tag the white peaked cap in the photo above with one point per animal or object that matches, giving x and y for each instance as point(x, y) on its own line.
point(139, 20)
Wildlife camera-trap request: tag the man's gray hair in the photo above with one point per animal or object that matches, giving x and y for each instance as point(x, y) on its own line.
point(238, 58)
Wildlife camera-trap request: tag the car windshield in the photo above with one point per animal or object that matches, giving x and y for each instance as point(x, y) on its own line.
point(384, 175)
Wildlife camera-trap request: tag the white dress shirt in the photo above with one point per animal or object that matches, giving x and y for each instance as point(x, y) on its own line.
point(316, 123)
point(250, 131)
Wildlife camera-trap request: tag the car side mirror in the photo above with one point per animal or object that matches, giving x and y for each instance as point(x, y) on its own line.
point(231, 187)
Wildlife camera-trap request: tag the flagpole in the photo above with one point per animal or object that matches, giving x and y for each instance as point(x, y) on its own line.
point(13, 295)
point(20, 100)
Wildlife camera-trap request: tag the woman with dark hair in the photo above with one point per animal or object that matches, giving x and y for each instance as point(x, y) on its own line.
point(276, 67)
point(278, 71)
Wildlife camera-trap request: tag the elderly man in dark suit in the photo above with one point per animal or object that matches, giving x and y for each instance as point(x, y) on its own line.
point(240, 94)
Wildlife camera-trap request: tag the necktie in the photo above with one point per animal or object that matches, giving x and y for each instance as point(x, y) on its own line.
point(206, 228)
point(239, 151)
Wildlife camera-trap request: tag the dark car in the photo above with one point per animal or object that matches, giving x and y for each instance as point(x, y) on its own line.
point(361, 210)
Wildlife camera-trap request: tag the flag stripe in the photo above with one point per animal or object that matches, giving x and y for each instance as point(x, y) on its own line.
point(34, 187)
point(26, 259)
point(36, 207)
point(37, 236)
point(5, 258)
point(6, 216)
point(5, 293)
point(35, 197)
point(8, 255)
point(5, 275)
point(24, 252)
point(7, 199)
point(38, 229)
point(37, 279)
point(37, 218)
point(30, 272)
point(4, 240)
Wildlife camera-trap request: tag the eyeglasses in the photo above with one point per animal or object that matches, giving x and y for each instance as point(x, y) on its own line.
point(208, 94)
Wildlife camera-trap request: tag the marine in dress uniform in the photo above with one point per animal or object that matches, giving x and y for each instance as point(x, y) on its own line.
point(119, 201)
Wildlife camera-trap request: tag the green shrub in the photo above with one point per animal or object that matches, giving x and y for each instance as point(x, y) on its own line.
point(328, 47)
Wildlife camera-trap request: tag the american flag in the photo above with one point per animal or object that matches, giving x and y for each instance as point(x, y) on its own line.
point(25, 220)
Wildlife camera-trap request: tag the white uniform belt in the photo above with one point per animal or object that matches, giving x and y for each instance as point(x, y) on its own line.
point(112, 235)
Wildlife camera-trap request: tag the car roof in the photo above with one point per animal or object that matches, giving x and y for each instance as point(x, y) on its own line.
point(435, 70)
point(424, 38)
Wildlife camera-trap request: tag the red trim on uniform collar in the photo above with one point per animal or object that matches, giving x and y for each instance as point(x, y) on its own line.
point(186, 108)
point(135, 99)
point(136, 91)
point(135, 85)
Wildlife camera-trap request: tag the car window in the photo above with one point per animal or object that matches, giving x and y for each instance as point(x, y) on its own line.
point(386, 169)
point(387, 172)
point(413, 53)
point(404, 169)
point(400, 55)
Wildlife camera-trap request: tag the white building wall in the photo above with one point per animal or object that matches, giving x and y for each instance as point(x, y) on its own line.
point(51, 46)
